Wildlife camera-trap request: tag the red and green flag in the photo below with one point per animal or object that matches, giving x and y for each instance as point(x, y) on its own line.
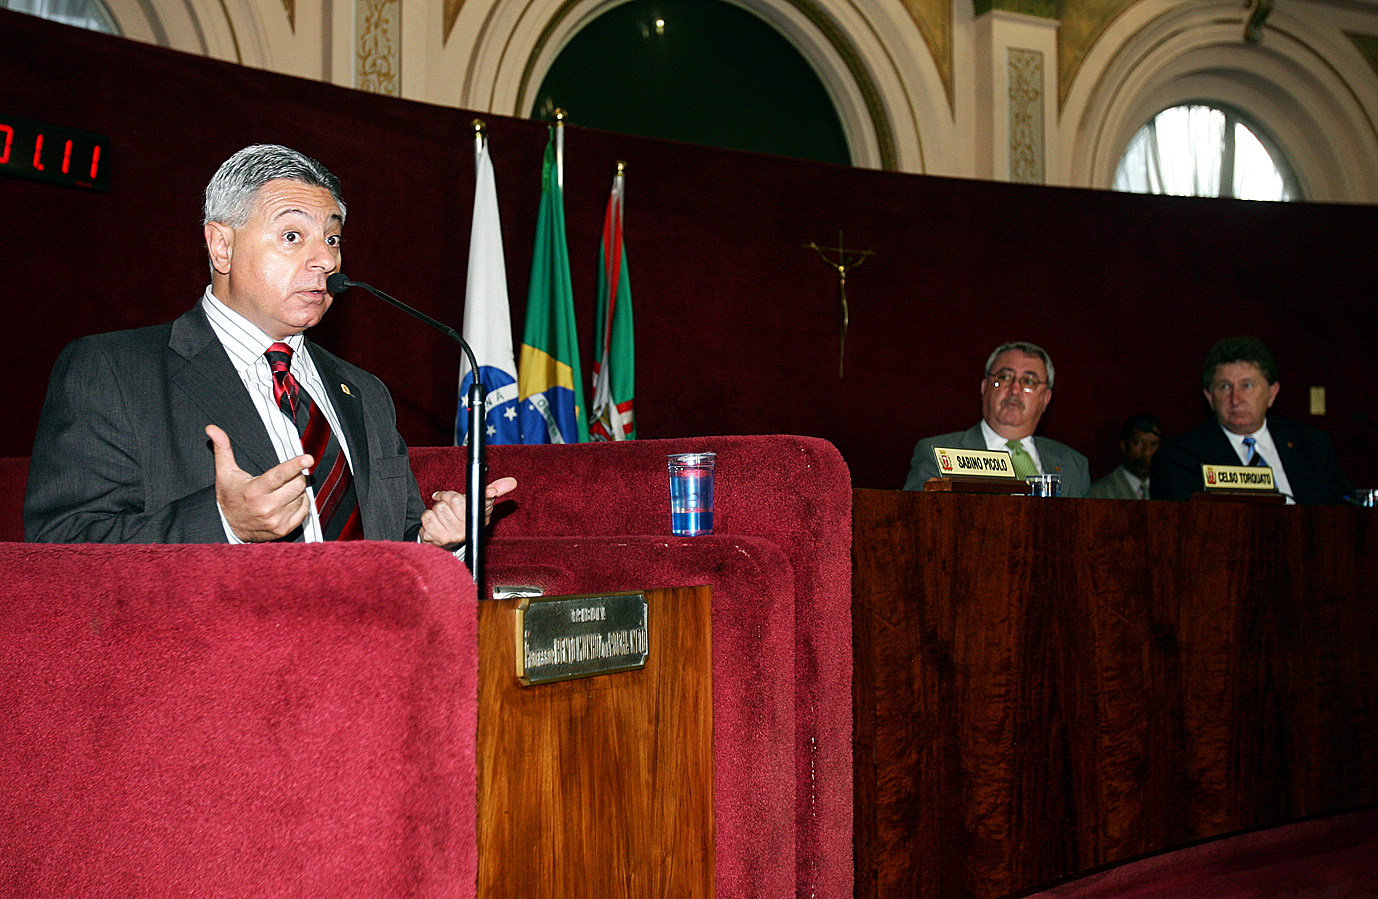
point(614, 368)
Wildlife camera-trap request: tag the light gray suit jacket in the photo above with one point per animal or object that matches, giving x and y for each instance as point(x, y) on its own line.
point(1114, 486)
point(121, 454)
point(1056, 458)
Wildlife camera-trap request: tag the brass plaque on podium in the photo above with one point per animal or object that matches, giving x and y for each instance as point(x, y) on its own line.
point(564, 637)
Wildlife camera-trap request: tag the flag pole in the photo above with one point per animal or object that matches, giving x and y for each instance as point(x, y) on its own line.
point(560, 148)
point(480, 135)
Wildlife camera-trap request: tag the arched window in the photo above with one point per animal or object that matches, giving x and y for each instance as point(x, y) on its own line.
point(699, 71)
point(1203, 151)
point(89, 14)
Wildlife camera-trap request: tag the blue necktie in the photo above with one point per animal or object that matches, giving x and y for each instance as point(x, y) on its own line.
point(1254, 457)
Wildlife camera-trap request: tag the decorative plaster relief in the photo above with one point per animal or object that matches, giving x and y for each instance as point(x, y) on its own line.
point(377, 67)
point(1025, 73)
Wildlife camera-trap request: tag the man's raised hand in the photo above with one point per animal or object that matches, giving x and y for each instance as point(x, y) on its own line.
point(261, 508)
point(443, 523)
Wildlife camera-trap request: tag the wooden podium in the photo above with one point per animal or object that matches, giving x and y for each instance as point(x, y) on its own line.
point(600, 787)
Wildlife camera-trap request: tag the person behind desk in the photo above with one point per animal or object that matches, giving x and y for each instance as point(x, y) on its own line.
point(1240, 382)
point(1140, 437)
point(228, 424)
point(1016, 388)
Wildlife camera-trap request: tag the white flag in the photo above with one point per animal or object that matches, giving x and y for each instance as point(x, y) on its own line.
point(487, 317)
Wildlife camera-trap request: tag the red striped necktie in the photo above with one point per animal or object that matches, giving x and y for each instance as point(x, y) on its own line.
point(337, 505)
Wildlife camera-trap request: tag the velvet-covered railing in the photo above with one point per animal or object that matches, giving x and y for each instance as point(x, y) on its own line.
point(737, 320)
point(274, 721)
point(596, 517)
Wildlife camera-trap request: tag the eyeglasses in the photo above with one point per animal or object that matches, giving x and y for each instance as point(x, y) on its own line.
point(1004, 377)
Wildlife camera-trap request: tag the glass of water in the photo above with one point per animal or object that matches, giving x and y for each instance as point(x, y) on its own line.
point(691, 493)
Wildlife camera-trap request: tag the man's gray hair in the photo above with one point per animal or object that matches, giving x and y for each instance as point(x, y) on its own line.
point(1027, 348)
point(231, 192)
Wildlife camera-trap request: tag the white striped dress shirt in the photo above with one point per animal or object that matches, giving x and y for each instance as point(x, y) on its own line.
point(246, 343)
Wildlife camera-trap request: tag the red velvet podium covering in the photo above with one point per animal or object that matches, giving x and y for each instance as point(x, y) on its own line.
point(584, 518)
point(268, 721)
point(593, 517)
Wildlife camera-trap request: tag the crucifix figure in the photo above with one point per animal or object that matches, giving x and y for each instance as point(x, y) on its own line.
point(845, 262)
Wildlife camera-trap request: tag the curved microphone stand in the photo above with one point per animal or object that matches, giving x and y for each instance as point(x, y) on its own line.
point(478, 455)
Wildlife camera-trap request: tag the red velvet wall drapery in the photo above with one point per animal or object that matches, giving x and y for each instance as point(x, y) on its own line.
point(736, 320)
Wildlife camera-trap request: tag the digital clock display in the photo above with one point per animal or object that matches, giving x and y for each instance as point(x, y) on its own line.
point(52, 154)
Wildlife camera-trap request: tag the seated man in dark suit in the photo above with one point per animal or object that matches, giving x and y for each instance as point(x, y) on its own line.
point(1017, 386)
point(228, 424)
point(1240, 381)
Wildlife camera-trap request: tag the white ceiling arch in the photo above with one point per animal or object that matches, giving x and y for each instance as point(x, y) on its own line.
point(1162, 54)
point(850, 49)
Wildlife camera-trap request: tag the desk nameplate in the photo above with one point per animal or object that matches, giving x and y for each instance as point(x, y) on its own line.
point(1237, 477)
point(956, 461)
point(565, 637)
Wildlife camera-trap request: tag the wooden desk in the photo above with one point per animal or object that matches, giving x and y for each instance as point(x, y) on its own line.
point(1044, 686)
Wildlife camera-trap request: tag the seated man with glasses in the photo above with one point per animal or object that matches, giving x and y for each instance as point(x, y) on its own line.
point(1240, 381)
point(1014, 392)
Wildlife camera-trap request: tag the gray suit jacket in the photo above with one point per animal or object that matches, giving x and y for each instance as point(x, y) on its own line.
point(121, 454)
point(1056, 458)
point(1114, 486)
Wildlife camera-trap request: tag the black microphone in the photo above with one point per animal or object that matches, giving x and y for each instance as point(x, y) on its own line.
point(478, 457)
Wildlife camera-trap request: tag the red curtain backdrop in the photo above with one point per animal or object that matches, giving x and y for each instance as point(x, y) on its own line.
point(737, 321)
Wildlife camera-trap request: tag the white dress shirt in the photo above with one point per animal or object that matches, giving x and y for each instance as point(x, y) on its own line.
point(1001, 444)
point(1265, 447)
point(245, 344)
point(1137, 484)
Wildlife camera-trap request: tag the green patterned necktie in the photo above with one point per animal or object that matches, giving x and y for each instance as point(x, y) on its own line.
point(1023, 463)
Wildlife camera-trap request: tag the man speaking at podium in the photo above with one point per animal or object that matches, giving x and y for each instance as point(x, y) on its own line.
point(1240, 381)
point(1017, 386)
point(228, 425)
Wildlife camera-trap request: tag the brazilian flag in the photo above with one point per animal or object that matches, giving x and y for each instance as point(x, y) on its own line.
point(549, 381)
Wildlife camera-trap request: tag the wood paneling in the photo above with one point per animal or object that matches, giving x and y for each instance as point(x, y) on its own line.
point(1047, 686)
point(600, 787)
